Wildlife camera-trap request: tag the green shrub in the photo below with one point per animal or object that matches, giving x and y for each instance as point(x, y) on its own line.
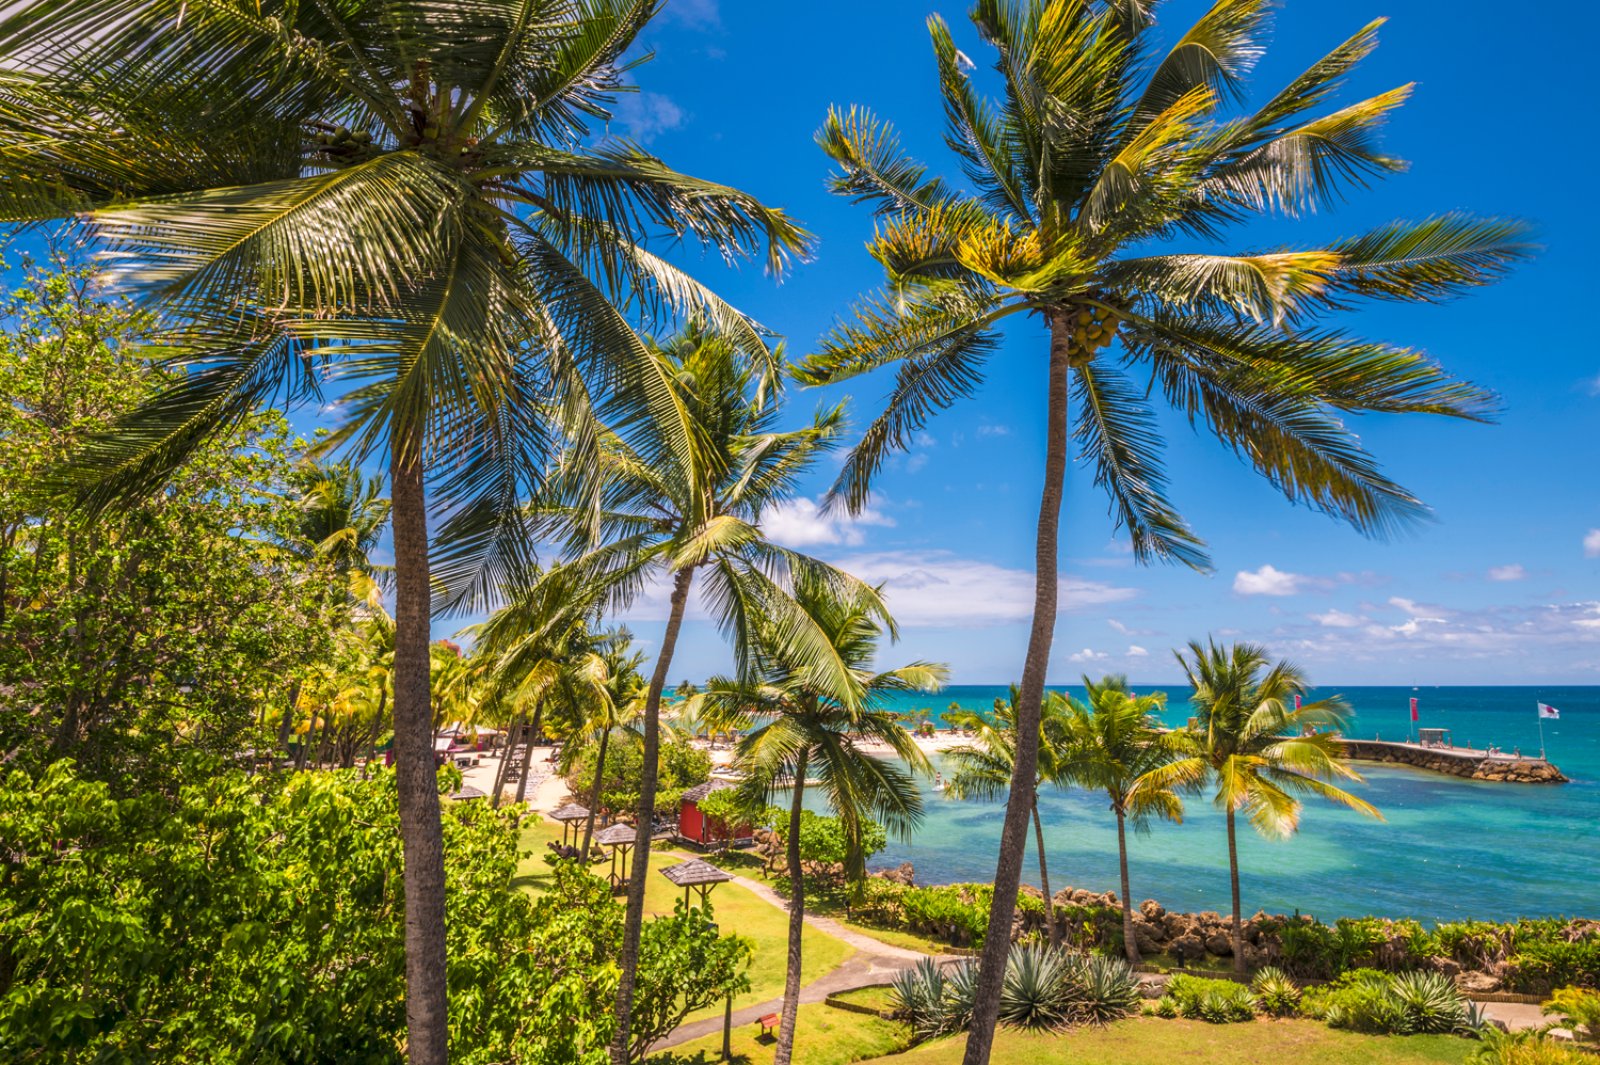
point(1275, 993)
point(918, 998)
point(1531, 1046)
point(1541, 964)
point(1366, 1000)
point(1165, 1006)
point(1578, 1009)
point(1212, 1001)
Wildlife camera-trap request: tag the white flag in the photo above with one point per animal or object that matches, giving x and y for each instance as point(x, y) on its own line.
point(1548, 711)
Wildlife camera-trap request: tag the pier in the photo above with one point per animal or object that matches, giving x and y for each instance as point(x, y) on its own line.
point(1469, 762)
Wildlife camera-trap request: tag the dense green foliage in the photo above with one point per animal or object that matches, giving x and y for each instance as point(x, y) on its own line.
point(682, 767)
point(1201, 998)
point(958, 914)
point(178, 622)
point(259, 919)
point(1366, 1000)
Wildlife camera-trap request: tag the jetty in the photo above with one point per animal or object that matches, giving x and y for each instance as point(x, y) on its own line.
point(1469, 762)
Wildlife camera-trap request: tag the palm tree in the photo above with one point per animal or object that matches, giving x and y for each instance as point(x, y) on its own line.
point(396, 200)
point(342, 517)
point(617, 709)
point(1112, 743)
point(1256, 748)
point(696, 515)
point(804, 720)
point(984, 770)
point(1102, 145)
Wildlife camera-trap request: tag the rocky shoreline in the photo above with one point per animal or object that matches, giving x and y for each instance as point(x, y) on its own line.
point(1472, 765)
point(1204, 939)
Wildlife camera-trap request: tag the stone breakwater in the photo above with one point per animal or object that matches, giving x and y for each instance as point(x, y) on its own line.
point(1457, 762)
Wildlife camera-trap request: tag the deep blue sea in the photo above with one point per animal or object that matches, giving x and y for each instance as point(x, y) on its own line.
point(1448, 849)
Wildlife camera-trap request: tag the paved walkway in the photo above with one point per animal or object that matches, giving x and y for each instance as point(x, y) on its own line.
point(875, 962)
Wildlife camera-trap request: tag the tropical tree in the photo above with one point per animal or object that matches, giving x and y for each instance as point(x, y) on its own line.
point(342, 517)
point(1256, 748)
point(651, 509)
point(808, 717)
point(1103, 145)
point(395, 201)
point(618, 707)
point(1112, 742)
point(984, 769)
point(542, 654)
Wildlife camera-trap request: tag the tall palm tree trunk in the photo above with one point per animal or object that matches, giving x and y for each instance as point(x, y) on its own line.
point(594, 794)
point(505, 759)
point(797, 921)
point(1044, 880)
point(527, 755)
point(416, 777)
point(1014, 833)
point(1233, 882)
point(634, 919)
point(1130, 943)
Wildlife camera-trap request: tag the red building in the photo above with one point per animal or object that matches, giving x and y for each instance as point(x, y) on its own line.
point(695, 827)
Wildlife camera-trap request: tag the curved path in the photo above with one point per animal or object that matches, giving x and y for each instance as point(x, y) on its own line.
point(875, 962)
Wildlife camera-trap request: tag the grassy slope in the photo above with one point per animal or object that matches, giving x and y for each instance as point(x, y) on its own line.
point(824, 1036)
point(1148, 1041)
point(736, 910)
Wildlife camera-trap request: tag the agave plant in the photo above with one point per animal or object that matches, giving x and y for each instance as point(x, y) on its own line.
point(960, 995)
point(1431, 1000)
point(1102, 989)
point(1031, 995)
point(1275, 992)
point(918, 996)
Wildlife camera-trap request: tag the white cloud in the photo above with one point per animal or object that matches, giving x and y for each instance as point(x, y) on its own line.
point(1512, 572)
point(1129, 630)
point(1135, 651)
point(994, 430)
point(1268, 580)
point(1337, 619)
point(802, 523)
point(938, 588)
point(1088, 654)
point(1591, 544)
point(644, 116)
point(1594, 385)
point(696, 14)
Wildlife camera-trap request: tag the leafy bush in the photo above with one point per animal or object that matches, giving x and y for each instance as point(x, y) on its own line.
point(1541, 964)
point(1275, 993)
point(1213, 1001)
point(1165, 1006)
point(1366, 1000)
point(1578, 1009)
point(281, 898)
point(1531, 1046)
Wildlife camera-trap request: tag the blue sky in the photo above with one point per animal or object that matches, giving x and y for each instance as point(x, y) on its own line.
point(1500, 588)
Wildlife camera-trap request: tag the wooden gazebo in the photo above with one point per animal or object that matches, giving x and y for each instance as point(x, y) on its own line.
point(619, 839)
point(696, 875)
point(569, 816)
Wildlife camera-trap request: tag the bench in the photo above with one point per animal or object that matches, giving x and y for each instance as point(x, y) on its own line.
point(769, 1025)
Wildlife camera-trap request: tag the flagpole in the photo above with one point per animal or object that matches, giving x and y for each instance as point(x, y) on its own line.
point(1541, 734)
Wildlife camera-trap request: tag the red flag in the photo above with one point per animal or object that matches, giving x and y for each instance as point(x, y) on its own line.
point(1414, 708)
point(1297, 700)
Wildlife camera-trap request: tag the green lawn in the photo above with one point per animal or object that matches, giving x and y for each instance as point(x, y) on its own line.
point(1150, 1041)
point(736, 910)
point(878, 998)
point(824, 1036)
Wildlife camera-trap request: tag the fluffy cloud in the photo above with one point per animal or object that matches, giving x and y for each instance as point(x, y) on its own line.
point(1337, 619)
point(1591, 544)
point(802, 523)
point(696, 14)
point(1088, 654)
point(938, 588)
point(644, 116)
point(1135, 651)
point(1268, 580)
point(1512, 572)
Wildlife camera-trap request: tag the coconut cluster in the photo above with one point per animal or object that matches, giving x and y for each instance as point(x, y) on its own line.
point(1093, 328)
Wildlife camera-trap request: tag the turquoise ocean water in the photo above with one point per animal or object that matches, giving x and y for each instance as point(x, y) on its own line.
point(1449, 849)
